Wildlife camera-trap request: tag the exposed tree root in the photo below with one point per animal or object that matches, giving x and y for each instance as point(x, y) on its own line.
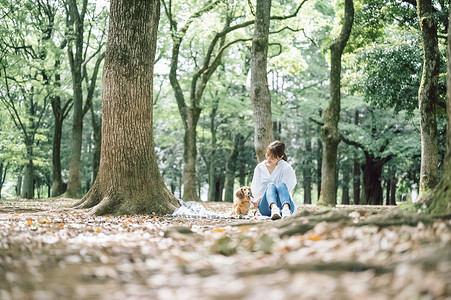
point(108, 205)
point(90, 200)
point(331, 267)
point(397, 218)
point(303, 223)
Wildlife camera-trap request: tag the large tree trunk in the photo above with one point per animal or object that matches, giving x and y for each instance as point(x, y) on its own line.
point(439, 201)
point(427, 96)
point(329, 132)
point(259, 91)
point(371, 184)
point(129, 181)
point(372, 171)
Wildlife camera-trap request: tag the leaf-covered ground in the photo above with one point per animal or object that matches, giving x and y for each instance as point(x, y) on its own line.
point(345, 253)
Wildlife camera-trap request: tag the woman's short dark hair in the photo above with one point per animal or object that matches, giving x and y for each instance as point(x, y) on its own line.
point(276, 149)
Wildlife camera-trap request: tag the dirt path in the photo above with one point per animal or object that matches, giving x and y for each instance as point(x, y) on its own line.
point(346, 253)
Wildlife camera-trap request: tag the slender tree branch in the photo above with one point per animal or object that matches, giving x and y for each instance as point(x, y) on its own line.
point(92, 86)
point(289, 16)
point(280, 49)
point(15, 116)
point(67, 107)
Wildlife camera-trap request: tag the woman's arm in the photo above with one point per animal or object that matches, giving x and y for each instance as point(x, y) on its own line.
point(256, 202)
point(289, 177)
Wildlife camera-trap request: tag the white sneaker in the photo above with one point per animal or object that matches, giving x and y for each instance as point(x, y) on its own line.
point(286, 212)
point(275, 213)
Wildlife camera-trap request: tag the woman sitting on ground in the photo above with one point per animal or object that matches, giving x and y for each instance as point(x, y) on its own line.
point(273, 181)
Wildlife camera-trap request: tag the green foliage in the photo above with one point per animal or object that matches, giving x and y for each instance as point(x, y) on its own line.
point(388, 72)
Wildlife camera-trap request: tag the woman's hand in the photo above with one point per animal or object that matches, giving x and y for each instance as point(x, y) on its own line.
point(256, 201)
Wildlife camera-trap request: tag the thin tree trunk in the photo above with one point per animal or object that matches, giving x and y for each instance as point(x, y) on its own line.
point(57, 182)
point(387, 191)
point(231, 167)
point(345, 169)
point(3, 171)
point(393, 189)
point(212, 167)
point(329, 132)
point(356, 180)
point(356, 169)
point(129, 181)
point(27, 190)
point(307, 168)
point(59, 115)
point(220, 188)
point(242, 169)
point(319, 160)
point(190, 154)
point(19, 186)
point(427, 96)
point(75, 20)
point(259, 91)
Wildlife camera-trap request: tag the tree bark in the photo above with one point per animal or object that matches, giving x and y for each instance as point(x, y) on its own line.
point(439, 201)
point(329, 132)
point(427, 96)
point(259, 90)
point(97, 133)
point(129, 181)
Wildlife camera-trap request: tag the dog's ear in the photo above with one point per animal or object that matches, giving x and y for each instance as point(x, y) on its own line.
point(239, 193)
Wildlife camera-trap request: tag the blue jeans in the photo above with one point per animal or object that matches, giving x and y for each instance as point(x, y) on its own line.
point(277, 194)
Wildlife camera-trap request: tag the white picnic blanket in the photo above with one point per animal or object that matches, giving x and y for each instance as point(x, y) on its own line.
point(194, 209)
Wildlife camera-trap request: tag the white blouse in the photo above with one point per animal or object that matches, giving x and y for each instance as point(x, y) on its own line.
point(283, 172)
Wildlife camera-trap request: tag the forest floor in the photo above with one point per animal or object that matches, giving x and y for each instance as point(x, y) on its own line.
point(354, 252)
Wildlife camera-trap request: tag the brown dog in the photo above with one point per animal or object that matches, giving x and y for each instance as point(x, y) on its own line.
point(242, 201)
